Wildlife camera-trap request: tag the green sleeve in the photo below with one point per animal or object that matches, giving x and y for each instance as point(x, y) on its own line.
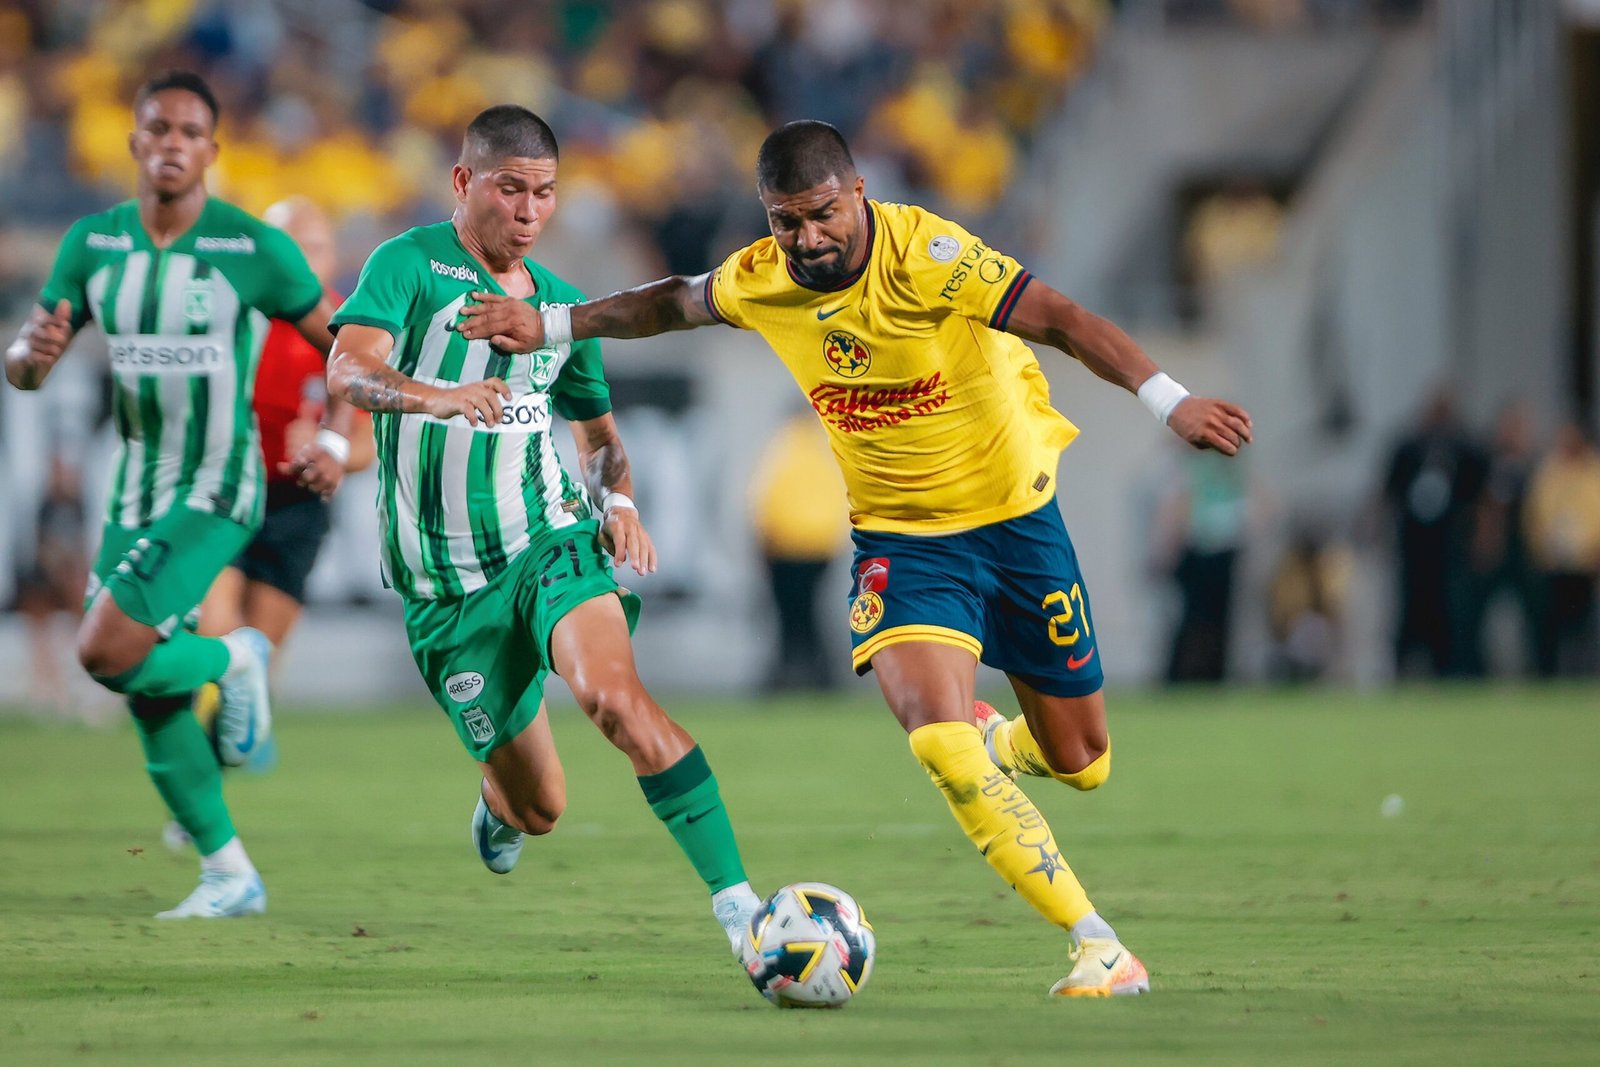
point(580, 391)
point(291, 290)
point(387, 290)
point(69, 277)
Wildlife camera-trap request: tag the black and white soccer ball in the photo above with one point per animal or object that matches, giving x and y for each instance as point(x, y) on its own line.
point(809, 946)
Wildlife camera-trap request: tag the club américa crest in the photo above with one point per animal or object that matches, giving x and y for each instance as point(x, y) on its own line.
point(872, 579)
point(845, 354)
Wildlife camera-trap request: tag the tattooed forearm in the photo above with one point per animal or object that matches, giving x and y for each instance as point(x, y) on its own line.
point(380, 388)
point(606, 469)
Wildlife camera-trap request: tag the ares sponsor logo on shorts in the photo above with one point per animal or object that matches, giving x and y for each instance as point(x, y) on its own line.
point(454, 271)
point(866, 612)
point(237, 246)
point(845, 355)
point(151, 353)
point(478, 724)
point(463, 687)
point(109, 242)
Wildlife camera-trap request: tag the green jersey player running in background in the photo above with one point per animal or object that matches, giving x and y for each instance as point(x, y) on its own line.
point(497, 553)
point(182, 285)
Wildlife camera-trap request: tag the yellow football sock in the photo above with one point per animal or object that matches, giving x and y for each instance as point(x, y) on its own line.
point(1000, 820)
point(1019, 750)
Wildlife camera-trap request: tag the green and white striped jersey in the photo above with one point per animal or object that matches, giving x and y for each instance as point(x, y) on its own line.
point(185, 325)
point(457, 503)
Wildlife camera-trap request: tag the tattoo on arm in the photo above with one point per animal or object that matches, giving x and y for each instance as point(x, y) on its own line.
point(605, 469)
point(381, 388)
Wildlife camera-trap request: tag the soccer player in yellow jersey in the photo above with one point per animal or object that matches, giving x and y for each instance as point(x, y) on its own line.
point(906, 333)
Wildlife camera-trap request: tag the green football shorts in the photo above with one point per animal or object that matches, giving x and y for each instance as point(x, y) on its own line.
point(160, 572)
point(485, 655)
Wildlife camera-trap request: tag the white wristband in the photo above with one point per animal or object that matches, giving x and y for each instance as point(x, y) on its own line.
point(557, 319)
point(617, 500)
point(1161, 394)
point(334, 444)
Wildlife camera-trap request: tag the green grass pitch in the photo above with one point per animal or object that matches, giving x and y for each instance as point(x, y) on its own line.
point(1239, 848)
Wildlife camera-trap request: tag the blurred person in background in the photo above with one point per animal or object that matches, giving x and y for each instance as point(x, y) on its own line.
point(1431, 489)
point(264, 588)
point(1500, 563)
point(906, 333)
point(1306, 598)
point(502, 560)
point(51, 586)
point(182, 285)
point(1563, 527)
point(1206, 518)
point(798, 502)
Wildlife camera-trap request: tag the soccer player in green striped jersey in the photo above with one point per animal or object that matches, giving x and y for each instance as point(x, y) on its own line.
point(499, 555)
point(183, 286)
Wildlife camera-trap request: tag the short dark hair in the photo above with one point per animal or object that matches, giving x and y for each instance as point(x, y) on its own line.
point(802, 154)
point(188, 81)
point(505, 131)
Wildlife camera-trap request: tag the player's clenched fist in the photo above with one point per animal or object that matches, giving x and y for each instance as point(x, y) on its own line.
point(509, 324)
point(1206, 422)
point(39, 344)
point(479, 402)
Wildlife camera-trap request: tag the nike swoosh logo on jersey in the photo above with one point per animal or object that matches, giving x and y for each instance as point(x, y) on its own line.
point(828, 314)
point(1074, 662)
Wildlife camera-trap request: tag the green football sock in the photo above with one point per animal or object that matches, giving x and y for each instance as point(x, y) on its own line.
point(180, 664)
point(180, 762)
point(685, 797)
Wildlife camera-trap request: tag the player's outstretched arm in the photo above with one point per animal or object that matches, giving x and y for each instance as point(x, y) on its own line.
point(1045, 316)
point(40, 342)
point(609, 479)
point(512, 325)
point(357, 373)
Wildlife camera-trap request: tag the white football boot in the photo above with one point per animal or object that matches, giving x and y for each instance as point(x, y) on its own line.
point(734, 907)
point(244, 711)
point(498, 845)
point(222, 895)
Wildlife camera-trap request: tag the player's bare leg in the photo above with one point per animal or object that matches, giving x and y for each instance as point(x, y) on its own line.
point(929, 687)
point(524, 791)
point(591, 650)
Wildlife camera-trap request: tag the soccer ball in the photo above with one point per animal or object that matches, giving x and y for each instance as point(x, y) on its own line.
point(809, 946)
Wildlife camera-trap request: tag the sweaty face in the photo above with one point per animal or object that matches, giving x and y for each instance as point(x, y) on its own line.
point(819, 229)
point(172, 142)
point(507, 203)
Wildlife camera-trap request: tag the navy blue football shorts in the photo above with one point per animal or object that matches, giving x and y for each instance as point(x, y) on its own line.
point(1011, 593)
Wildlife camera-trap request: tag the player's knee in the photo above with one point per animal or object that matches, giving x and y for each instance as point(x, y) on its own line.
point(1088, 767)
point(617, 710)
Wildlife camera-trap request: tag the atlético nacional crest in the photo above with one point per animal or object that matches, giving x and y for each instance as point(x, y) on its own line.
point(197, 302)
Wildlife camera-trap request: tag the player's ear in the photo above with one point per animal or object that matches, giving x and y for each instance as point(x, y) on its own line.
point(460, 178)
point(861, 187)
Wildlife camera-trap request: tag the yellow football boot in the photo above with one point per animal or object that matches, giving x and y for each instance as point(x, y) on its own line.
point(1101, 967)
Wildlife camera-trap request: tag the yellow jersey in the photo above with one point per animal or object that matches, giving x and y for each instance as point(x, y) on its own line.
point(940, 421)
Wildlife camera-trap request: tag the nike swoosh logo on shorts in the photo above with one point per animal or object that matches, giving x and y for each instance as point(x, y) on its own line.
point(1074, 662)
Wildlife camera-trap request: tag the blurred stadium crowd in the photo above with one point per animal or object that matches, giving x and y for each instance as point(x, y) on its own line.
point(361, 105)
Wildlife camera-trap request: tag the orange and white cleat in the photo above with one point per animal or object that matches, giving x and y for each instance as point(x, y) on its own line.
point(989, 720)
point(1101, 967)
